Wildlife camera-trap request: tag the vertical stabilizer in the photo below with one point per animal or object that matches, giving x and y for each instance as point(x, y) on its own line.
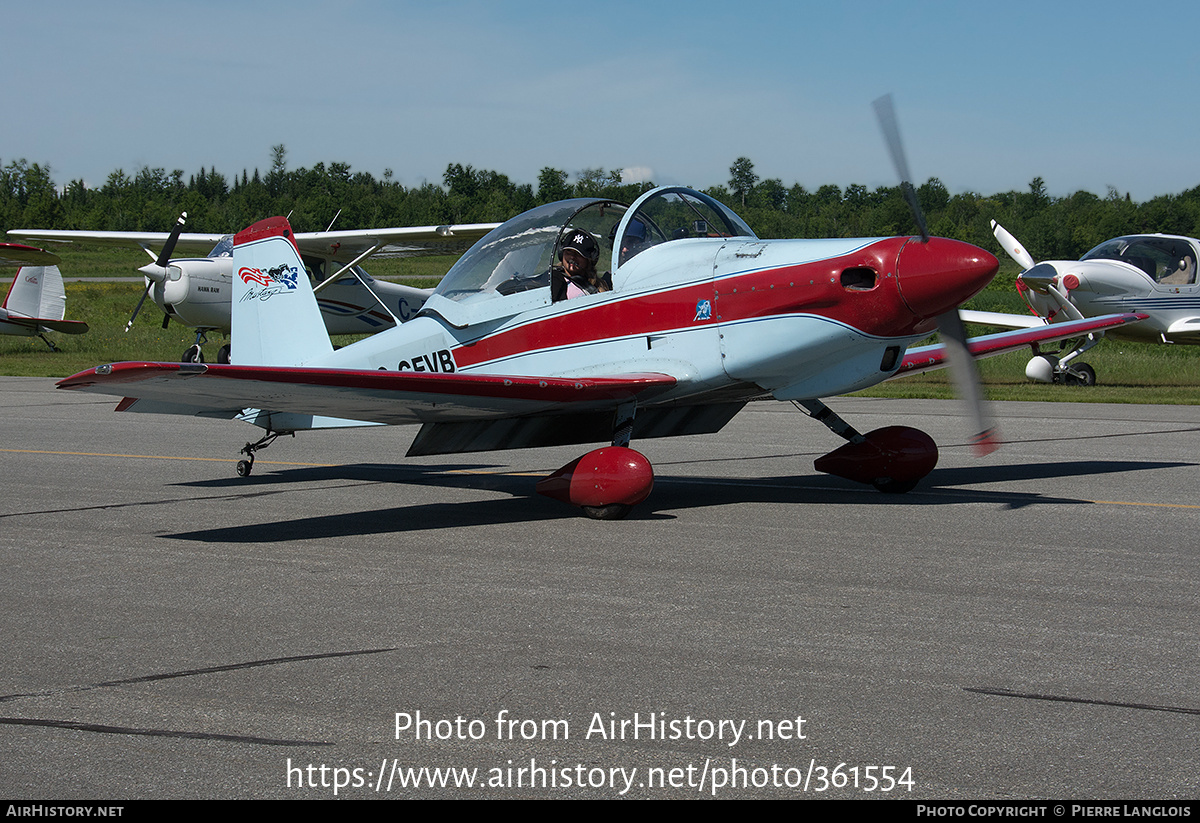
point(37, 292)
point(275, 318)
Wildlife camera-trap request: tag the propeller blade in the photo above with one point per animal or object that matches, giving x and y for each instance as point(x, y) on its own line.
point(164, 256)
point(133, 316)
point(966, 381)
point(950, 325)
point(886, 114)
point(157, 270)
point(1015, 250)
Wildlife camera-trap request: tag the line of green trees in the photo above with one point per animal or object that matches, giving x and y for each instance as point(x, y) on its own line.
point(151, 199)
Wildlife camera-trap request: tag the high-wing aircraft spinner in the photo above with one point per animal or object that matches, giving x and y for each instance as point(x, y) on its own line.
point(36, 301)
point(196, 291)
point(702, 316)
point(1151, 274)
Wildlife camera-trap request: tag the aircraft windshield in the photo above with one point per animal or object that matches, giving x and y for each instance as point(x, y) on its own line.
point(1168, 260)
point(675, 214)
point(224, 247)
point(518, 255)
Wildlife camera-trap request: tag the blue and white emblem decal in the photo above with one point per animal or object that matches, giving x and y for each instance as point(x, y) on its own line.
point(703, 310)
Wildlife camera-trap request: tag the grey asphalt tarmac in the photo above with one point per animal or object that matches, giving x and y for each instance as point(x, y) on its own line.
point(1020, 626)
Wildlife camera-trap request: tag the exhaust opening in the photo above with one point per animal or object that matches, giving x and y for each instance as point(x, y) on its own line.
point(858, 278)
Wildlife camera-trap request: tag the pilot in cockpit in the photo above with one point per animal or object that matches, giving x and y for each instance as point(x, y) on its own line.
point(577, 275)
point(1183, 274)
point(632, 241)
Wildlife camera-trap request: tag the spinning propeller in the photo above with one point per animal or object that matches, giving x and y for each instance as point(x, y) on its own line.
point(950, 325)
point(156, 272)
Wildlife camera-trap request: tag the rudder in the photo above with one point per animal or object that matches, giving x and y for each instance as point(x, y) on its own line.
point(275, 320)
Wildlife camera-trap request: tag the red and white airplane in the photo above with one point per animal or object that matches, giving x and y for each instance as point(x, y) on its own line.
point(36, 301)
point(195, 291)
point(702, 317)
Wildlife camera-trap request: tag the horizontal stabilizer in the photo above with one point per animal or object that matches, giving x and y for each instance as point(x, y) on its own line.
point(15, 254)
point(373, 396)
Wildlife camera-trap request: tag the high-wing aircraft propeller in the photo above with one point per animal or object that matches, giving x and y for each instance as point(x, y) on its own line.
point(157, 272)
point(1154, 275)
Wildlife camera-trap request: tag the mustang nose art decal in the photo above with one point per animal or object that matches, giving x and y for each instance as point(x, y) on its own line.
point(278, 280)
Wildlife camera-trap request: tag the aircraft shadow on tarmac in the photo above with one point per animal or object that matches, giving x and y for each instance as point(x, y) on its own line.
point(672, 493)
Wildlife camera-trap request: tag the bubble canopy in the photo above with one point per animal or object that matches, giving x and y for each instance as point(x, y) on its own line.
point(517, 255)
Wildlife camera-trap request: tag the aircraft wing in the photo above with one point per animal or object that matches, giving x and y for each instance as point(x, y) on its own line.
point(345, 246)
point(188, 241)
point(370, 396)
point(342, 246)
point(928, 358)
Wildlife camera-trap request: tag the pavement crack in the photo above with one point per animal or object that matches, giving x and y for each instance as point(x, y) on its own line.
point(149, 678)
point(1065, 699)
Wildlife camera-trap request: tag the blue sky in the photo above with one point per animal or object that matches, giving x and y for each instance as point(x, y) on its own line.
point(1085, 95)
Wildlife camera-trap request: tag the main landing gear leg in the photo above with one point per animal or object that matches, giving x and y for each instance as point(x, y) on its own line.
point(1054, 368)
point(606, 483)
point(244, 467)
point(891, 459)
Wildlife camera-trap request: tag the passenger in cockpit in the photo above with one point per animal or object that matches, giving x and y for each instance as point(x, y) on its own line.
point(1183, 274)
point(577, 275)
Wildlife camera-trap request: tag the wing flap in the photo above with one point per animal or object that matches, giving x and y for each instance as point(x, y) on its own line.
point(929, 358)
point(373, 396)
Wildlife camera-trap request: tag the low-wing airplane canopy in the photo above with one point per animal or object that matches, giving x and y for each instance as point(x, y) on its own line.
point(673, 213)
point(517, 256)
point(1167, 259)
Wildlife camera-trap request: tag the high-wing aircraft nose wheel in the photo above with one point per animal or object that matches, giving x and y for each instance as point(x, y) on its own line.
point(195, 354)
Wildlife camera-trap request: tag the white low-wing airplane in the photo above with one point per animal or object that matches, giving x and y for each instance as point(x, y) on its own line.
point(1151, 274)
point(702, 317)
point(36, 301)
point(196, 291)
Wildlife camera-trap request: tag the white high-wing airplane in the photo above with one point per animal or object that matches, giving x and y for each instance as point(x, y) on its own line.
point(196, 291)
point(36, 301)
point(1151, 274)
point(702, 317)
